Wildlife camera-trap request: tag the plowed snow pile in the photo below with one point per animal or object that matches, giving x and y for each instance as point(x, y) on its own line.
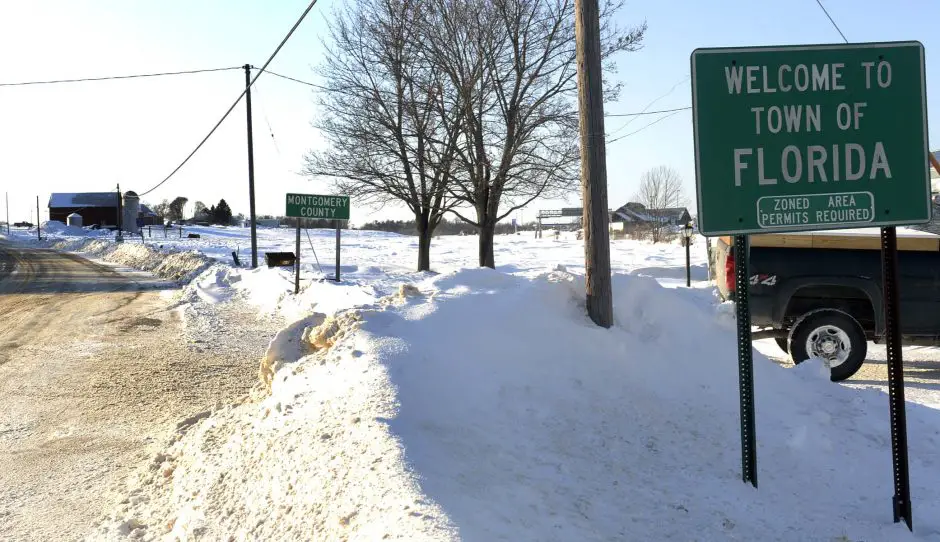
point(484, 406)
point(169, 263)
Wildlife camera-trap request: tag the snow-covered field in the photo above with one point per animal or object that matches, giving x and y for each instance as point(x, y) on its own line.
point(483, 405)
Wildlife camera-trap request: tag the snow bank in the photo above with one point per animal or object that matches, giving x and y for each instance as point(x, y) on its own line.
point(58, 228)
point(485, 406)
point(168, 264)
point(368, 255)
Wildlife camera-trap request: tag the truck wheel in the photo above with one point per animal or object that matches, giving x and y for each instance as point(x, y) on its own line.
point(783, 343)
point(832, 336)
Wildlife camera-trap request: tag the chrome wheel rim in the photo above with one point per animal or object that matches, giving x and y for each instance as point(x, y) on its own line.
point(829, 344)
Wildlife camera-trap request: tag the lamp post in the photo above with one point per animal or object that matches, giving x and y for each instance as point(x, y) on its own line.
point(687, 240)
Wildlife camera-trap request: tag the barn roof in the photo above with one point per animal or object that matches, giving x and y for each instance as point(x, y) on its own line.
point(82, 199)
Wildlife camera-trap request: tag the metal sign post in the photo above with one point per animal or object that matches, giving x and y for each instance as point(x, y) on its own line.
point(335, 208)
point(889, 276)
point(808, 138)
point(338, 230)
point(745, 362)
point(297, 262)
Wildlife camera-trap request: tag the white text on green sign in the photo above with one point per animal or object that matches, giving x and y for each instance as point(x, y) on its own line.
point(815, 209)
point(316, 206)
point(800, 125)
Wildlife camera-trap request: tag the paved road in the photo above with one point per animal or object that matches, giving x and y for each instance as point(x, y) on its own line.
point(93, 367)
point(921, 370)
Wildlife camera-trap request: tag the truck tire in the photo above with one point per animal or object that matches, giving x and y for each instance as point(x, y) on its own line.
point(783, 343)
point(833, 336)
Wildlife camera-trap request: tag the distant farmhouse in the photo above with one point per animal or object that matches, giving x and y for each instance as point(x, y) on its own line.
point(935, 178)
point(635, 214)
point(96, 209)
point(934, 225)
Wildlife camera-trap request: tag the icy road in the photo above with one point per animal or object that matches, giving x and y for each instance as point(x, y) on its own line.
point(94, 370)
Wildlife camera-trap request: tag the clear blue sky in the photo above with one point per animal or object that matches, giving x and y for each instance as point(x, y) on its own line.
point(88, 137)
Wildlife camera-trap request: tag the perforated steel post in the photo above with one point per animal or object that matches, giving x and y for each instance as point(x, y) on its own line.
point(338, 230)
point(297, 262)
point(901, 503)
point(745, 362)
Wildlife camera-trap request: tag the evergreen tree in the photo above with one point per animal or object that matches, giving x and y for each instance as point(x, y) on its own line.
point(222, 213)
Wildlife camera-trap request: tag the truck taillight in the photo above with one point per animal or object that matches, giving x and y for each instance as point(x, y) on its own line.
point(729, 270)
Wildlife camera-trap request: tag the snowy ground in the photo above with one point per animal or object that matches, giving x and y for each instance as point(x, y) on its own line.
point(483, 405)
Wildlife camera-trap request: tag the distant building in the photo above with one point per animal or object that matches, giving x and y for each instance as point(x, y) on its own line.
point(147, 217)
point(934, 176)
point(95, 208)
point(934, 225)
point(635, 214)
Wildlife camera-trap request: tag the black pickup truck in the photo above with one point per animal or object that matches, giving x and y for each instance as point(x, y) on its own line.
point(819, 294)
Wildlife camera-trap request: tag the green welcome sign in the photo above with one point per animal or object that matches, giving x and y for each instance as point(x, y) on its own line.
point(810, 137)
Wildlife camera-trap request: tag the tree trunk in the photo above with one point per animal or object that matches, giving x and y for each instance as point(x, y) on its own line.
point(424, 243)
point(487, 231)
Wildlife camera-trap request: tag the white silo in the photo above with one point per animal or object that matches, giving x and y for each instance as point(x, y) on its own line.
point(131, 212)
point(74, 219)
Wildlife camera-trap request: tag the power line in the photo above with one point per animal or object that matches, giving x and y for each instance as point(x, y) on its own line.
point(240, 96)
point(839, 30)
point(648, 125)
point(320, 87)
point(113, 77)
point(650, 104)
point(641, 113)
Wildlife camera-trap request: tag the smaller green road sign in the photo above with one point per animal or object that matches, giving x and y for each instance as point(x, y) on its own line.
point(822, 210)
point(810, 137)
point(314, 206)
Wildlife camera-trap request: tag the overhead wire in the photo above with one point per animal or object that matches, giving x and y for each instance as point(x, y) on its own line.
point(636, 114)
point(319, 87)
point(650, 104)
point(645, 127)
point(643, 113)
point(679, 109)
point(831, 20)
point(115, 77)
point(240, 96)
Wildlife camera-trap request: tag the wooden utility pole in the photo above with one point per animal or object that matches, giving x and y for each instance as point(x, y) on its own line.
point(38, 221)
point(8, 213)
point(251, 170)
point(593, 164)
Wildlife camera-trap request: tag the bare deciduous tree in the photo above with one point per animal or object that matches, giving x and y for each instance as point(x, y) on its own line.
point(390, 122)
point(513, 63)
point(660, 190)
point(161, 209)
point(447, 103)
